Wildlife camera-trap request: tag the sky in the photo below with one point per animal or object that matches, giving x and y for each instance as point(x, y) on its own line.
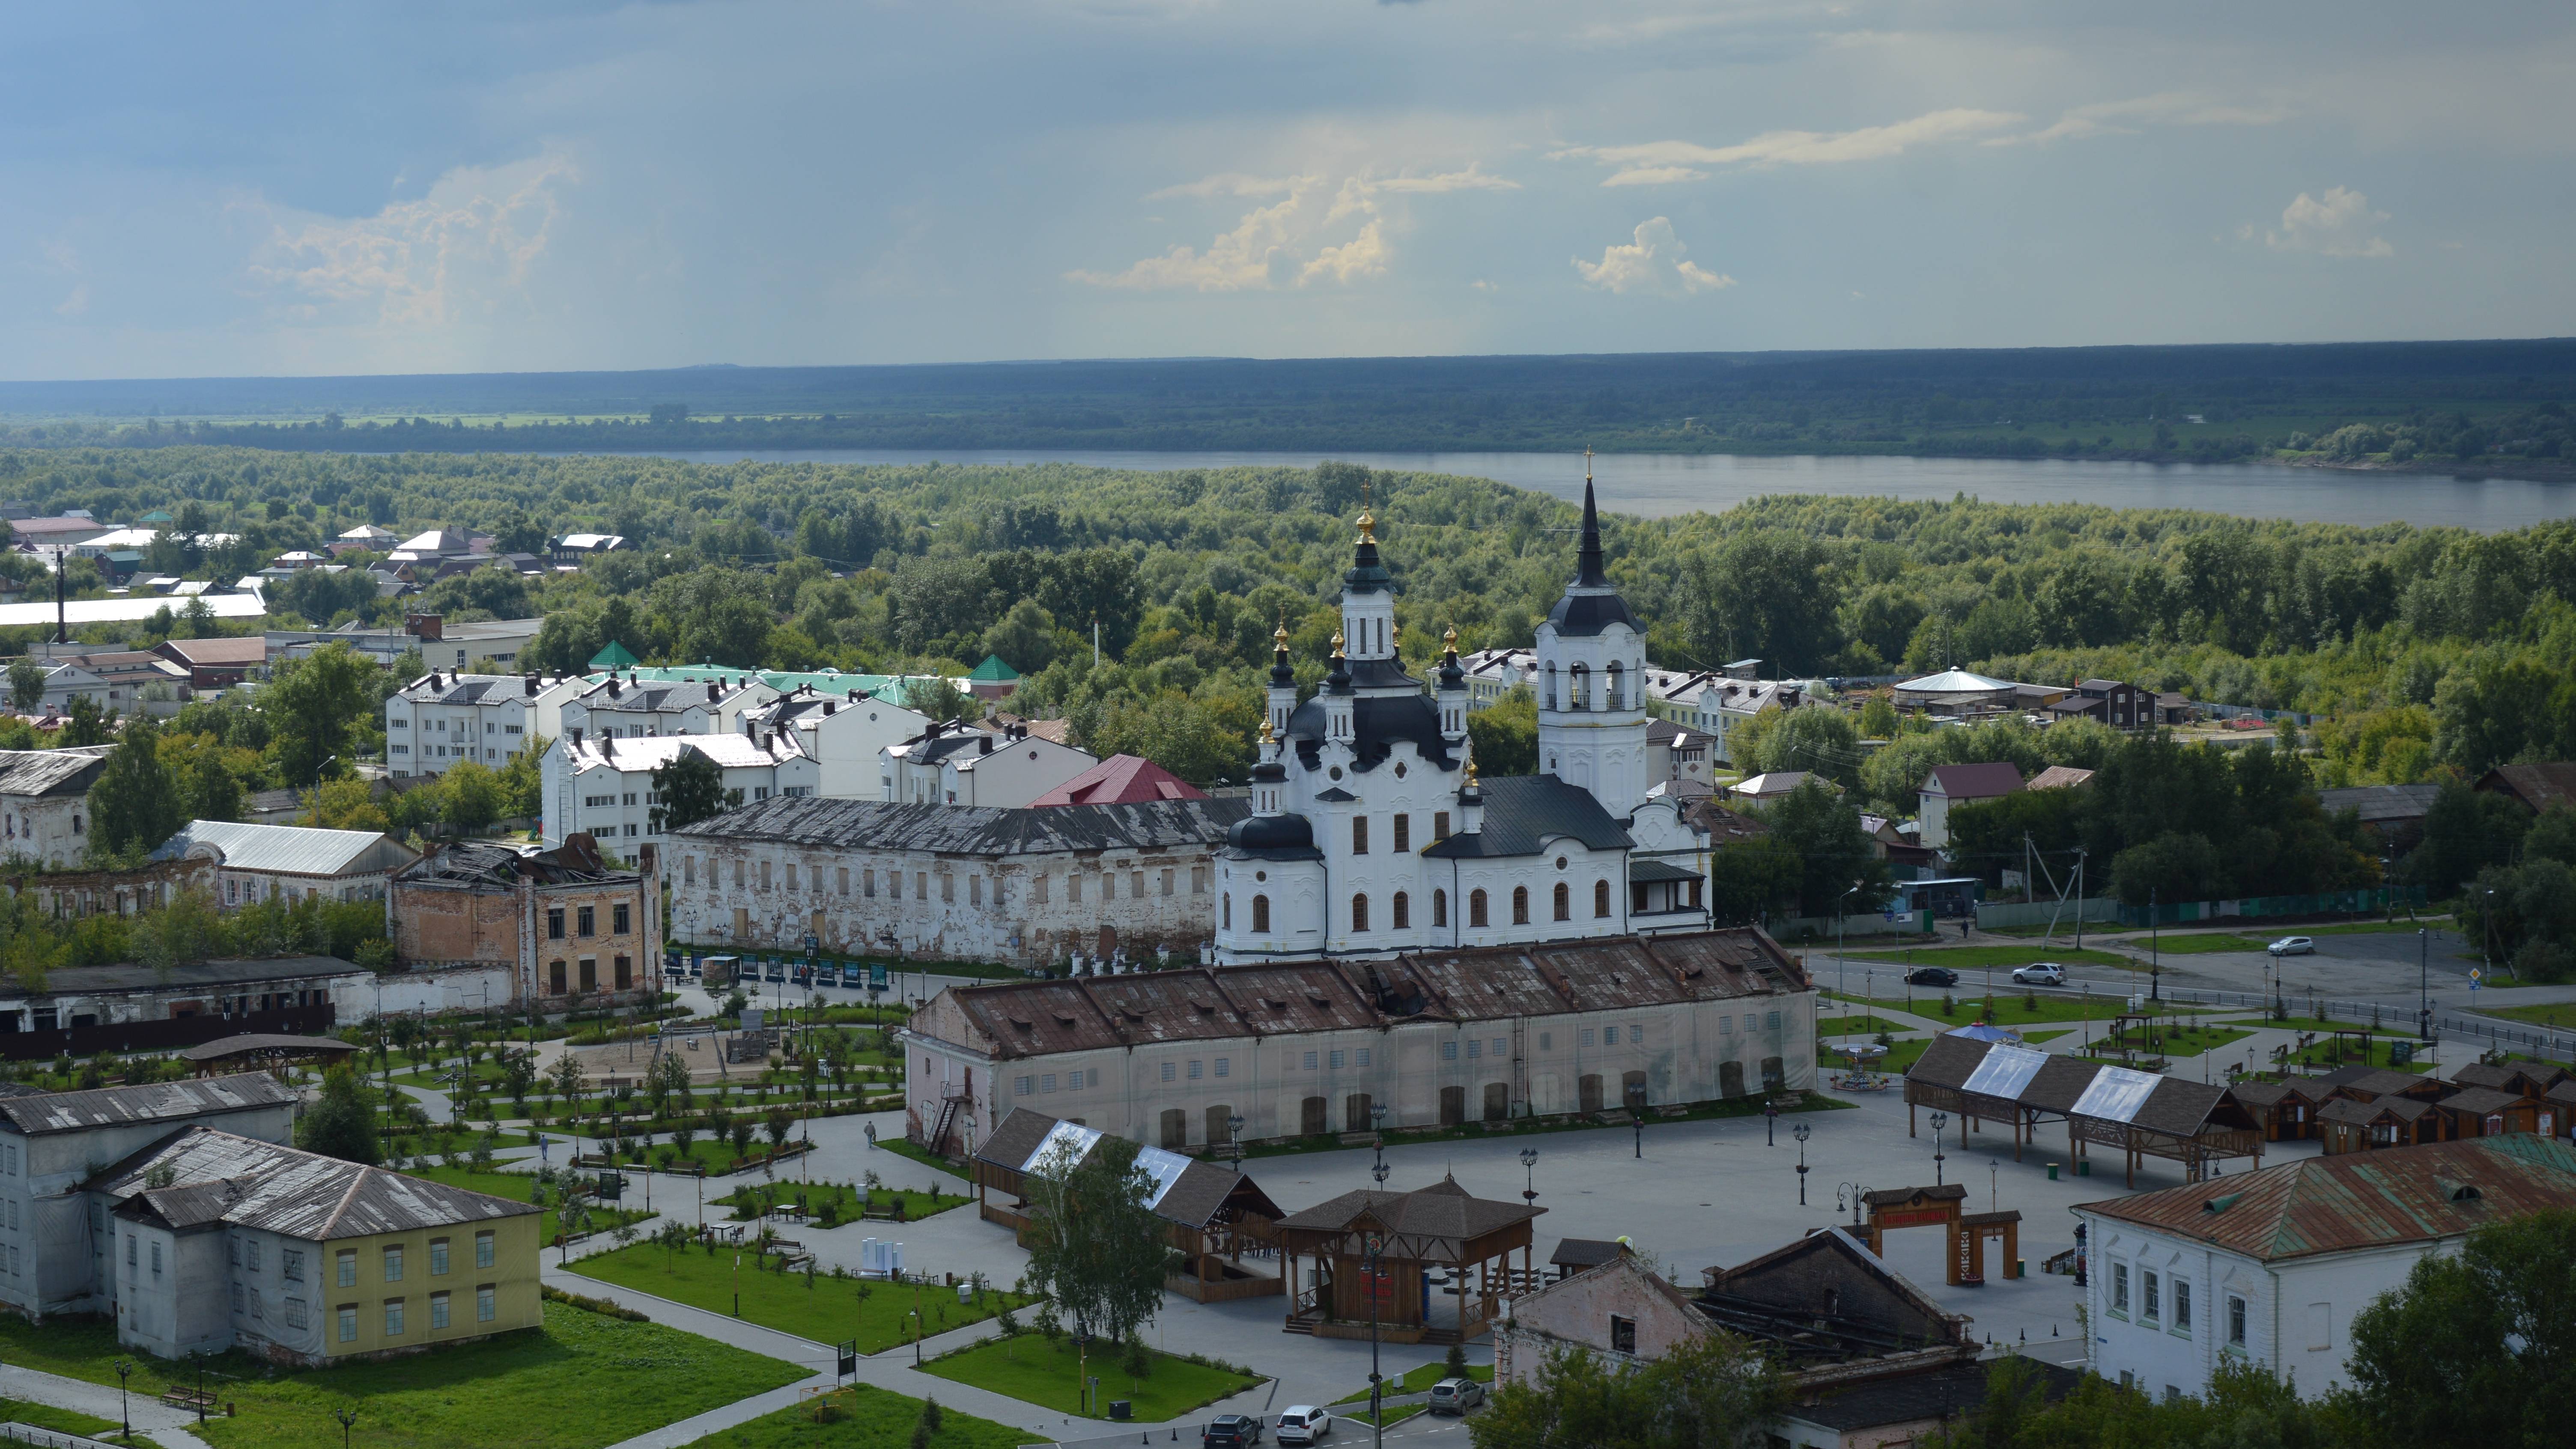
point(276, 188)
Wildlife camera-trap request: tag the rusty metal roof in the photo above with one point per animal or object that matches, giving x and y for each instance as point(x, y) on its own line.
point(288, 1191)
point(1160, 1006)
point(2358, 1200)
point(156, 1102)
point(1299, 996)
point(813, 821)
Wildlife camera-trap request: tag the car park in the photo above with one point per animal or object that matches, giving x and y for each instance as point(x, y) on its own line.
point(1931, 976)
point(1455, 1396)
point(2293, 946)
point(1229, 1431)
point(1304, 1424)
point(2040, 973)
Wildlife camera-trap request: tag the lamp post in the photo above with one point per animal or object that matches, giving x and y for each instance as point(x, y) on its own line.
point(1770, 1124)
point(1800, 1132)
point(123, 1368)
point(1234, 1135)
point(2424, 980)
point(1377, 1410)
point(1529, 1166)
point(1637, 1116)
point(1377, 1138)
point(2155, 956)
point(1849, 1194)
point(1940, 1120)
point(1840, 964)
point(345, 1416)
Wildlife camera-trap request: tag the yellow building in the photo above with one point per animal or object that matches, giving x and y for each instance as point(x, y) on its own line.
point(209, 1241)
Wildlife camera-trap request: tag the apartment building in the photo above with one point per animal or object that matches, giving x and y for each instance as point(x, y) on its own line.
point(604, 787)
point(443, 717)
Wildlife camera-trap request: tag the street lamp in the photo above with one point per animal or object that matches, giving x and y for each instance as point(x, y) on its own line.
point(1940, 1120)
point(1841, 986)
point(1800, 1132)
point(1850, 1193)
point(1374, 1243)
point(345, 1416)
point(1529, 1165)
point(2424, 980)
point(123, 1368)
point(2155, 956)
point(1770, 1124)
point(1234, 1134)
point(1377, 1137)
point(1637, 1116)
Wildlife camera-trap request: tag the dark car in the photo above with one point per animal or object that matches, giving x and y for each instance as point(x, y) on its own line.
point(1931, 976)
point(1227, 1431)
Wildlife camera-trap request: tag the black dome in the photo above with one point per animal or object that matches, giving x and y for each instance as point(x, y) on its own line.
point(1272, 836)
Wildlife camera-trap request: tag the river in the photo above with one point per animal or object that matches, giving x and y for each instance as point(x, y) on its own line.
point(1660, 485)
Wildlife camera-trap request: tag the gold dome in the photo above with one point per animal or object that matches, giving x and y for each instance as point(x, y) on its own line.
point(1337, 643)
point(1449, 638)
point(1368, 526)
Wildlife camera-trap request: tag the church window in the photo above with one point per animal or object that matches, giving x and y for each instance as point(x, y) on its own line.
point(1261, 915)
point(1440, 825)
point(1403, 831)
point(1601, 899)
point(1476, 908)
point(1401, 912)
point(1359, 913)
point(1225, 908)
point(1440, 908)
point(1359, 835)
point(1564, 902)
point(1520, 905)
point(1551, 684)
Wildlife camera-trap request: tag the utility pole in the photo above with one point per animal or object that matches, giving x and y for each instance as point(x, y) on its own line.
point(2155, 958)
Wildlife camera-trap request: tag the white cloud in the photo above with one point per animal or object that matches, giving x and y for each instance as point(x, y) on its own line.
point(419, 263)
point(1652, 262)
point(1657, 162)
point(1362, 256)
point(2127, 118)
point(74, 304)
point(2338, 224)
point(1233, 183)
point(1470, 179)
point(1238, 260)
point(1288, 243)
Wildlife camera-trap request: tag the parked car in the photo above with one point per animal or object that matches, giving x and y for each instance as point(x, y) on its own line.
point(1455, 1396)
point(1931, 976)
point(1228, 1431)
point(2293, 946)
point(2040, 973)
point(1304, 1424)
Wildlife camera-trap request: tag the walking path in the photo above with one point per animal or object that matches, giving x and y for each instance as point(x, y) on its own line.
point(152, 1418)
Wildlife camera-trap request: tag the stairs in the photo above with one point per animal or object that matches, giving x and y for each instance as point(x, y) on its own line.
point(948, 1112)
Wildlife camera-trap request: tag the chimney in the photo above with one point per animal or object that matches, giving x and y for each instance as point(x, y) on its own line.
point(714, 692)
point(575, 732)
point(827, 709)
point(530, 681)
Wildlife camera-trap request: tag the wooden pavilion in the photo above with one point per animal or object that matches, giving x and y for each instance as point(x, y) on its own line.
point(1411, 1233)
point(227, 1055)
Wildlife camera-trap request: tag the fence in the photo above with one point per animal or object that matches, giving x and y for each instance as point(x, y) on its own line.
point(2254, 908)
point(127, 1037)
point(17, 1433)
point(2096, 910)
point(2541, 1043)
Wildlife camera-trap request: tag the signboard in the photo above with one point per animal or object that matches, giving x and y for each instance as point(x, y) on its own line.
point(876, 976)
point(848, 1358)
point(1910, 1217)
point(2475, 977)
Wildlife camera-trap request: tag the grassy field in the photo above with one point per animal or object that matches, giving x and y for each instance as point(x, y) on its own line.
point(2179, 1041)
point(837, 1202)
point(863, 1417)
point(821, 1307)
point(64, 1421)
point(579, 1382)
point(1419, 1380)
point(521, 1186)
point(2015, 1008)
point(2203, 945)
point(2561, 1014)
point(1964, 959)
point(1028, 1368)
point(1862, 1024)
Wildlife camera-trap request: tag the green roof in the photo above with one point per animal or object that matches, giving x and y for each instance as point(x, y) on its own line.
point(614, 657)
point(993, 669)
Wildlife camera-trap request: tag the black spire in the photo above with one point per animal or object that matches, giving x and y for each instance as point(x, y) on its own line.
point(1587, 560)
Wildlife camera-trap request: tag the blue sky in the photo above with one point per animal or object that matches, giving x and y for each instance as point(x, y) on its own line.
point(336, 188)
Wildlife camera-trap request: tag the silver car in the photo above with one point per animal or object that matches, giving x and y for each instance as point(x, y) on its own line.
point(2293, 946)
point(2040, 973)
point(1455, 1396)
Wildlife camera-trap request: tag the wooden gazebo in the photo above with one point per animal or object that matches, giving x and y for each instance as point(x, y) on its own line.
point(1411, 1233)
point(227, 1055)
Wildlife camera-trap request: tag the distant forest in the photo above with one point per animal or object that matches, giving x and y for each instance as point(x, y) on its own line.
point(2494, 406)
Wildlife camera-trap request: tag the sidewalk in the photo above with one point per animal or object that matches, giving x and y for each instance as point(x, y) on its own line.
point(150, 1417)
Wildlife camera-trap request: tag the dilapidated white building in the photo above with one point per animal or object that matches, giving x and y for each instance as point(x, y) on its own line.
point(958, 882)
point(1304, 1048)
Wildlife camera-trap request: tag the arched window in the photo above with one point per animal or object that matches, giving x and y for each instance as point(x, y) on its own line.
point(1226, 903)
point(1616, 677)
point(1476, 908)
point(1401, 912)
point(1564, 902)
point(1601, 899)
point(1578, 687)
point(1261, 915)
point(1551, 684)
point(1440, 908)
point(1520, 905)
point(1359, 913)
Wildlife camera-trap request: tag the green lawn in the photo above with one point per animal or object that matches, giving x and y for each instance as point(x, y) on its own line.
point(1419, 1380)
point(1965, 959)
point(863, 1417)
point(2322, 1056)
point(1860, 1025)
point(522, 1186)
point(2179, 1041)
point(62, 1421)
point(1026, 1367)
point(2201, 945)
point(581, 1381)
point(823, 1308)
point(834, 1203)
point(2012, 1008)
point(1396, 1415)
point(2555, 1014)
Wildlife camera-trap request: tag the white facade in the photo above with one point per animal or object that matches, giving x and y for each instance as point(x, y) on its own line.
point(1711, 701)
point(967, 765)
point(67, 682)
point(441, 718)
point(44, 803)
point(607, 707)
point(605, 787)
point(847, 737)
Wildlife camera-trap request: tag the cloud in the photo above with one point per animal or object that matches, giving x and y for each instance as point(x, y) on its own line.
point(1233, 183)
point(1238, 260)
point(1658, 162)
point(418, 263)
point(1285, 244)
point(2338, 224)
point(1470, 179)
point(2127, 118)
point(1653, 262)
point(1364, 255)
point(74, 304)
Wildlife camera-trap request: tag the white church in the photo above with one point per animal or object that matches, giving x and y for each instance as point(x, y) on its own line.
point(1371, 834)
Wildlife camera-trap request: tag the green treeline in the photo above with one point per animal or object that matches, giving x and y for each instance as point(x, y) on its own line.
point(2425, 649)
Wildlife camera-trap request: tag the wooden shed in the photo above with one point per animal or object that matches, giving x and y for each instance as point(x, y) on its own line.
point(1374, 1254)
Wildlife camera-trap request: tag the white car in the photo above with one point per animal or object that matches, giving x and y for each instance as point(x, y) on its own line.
point(2293, 946)
point(2040, 973)
point(1304, 1424)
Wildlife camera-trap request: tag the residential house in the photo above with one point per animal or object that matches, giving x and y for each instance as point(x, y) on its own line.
point(1950, 786)
point(2534, 787)
point(290, 862)
point(565, 921)
point(953, 763)
point(992, 679)
point(604, 787)
point(207, 1240)
point(65, 532)
point(846, 733)
point(1770, 788)
point(442, 718)
point(628, 709)
point(574, 549)
point(2114, 702)
point(44, 803)
point(1032, 885)
point(2269, 1267)
point(2393, 813)
point(1120, 780)
point(1678, 759)
point(2060, 777)
point(437, 543)
point(217, 663)
point(124, 680)
point(365, 538)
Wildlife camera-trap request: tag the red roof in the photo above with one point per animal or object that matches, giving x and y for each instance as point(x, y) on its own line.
point(1121, 780)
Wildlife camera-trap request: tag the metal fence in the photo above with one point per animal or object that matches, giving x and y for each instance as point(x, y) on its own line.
point(2539, 1042)
point(17, 1433)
